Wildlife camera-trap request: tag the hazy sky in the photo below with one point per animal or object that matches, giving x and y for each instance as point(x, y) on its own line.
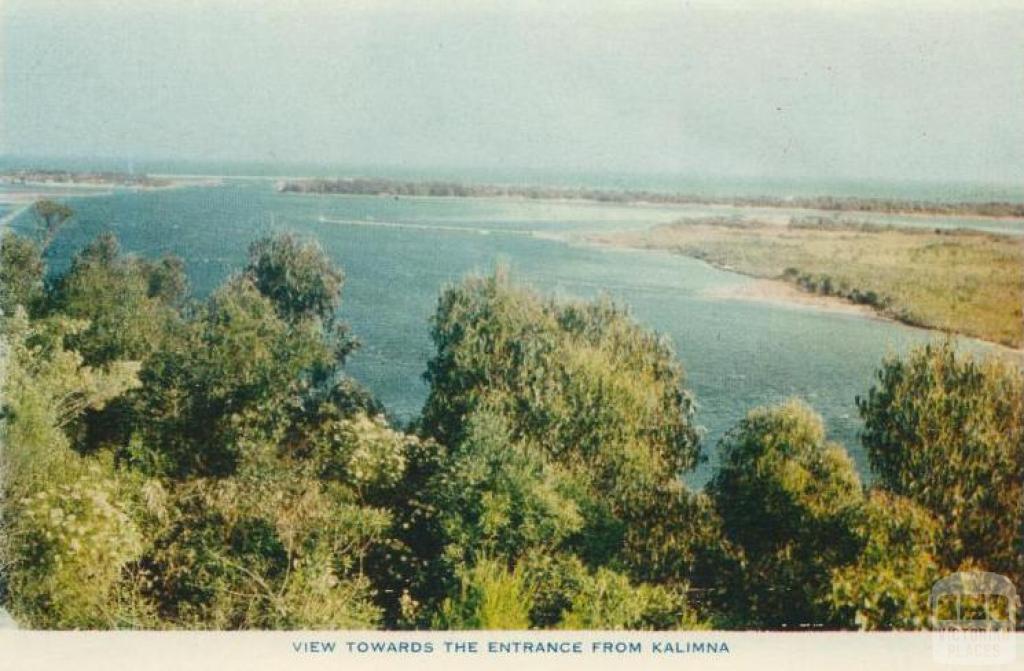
point(922, 91)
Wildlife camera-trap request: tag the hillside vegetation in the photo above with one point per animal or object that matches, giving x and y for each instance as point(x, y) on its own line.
point(170, 462)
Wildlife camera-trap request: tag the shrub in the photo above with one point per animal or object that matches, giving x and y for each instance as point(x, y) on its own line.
point(72, 549)
point(888, 585)
point(490, 596)
point(947, 431)
point(565, 428)
point(21, 274)
point(785, 496)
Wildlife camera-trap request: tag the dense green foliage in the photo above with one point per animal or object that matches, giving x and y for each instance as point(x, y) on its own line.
point(947, 431)
point(566, 429)
point(127, 302)
point(21, 273)
point(887, 585)
point(171, 462)
point(785, 496)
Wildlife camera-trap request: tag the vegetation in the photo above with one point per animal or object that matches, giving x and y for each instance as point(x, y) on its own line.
point(386, 187)
point(958, 281)
point(106, 178)
point(785, 497)
point(948, 432)
point(179, 463)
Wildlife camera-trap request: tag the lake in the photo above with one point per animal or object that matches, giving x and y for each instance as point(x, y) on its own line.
point(398, 254)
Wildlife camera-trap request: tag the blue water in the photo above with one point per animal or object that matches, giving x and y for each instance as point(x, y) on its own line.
point(399, 253)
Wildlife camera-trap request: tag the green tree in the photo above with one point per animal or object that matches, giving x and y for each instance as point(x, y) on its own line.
point(130, 303)
point(67, 539)
point(888, 585)
point(282, 541)
point(489, 596)
point(238, 373)
point(584, 376)
point(502, 499)
point(606, 600)
point(786, 498)
point(565, 428)
point(21, 274)
point(73, 546)
point(947, 431)
point(249, 486)
point(296, 276)
point(46, 387)
point(50, 216)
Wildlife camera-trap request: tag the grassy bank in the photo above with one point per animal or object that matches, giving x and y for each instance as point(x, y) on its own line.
point(961, 281)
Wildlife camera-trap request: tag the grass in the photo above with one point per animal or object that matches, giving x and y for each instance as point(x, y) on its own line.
point(955, 280)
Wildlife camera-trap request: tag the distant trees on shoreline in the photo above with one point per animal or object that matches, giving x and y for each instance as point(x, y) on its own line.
point(174, 463)
point(364, 186)
point(104, 178)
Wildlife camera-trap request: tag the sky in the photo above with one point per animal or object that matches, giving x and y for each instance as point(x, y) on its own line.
point(896, 90)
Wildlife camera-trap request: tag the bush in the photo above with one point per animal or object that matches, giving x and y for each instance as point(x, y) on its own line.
point(73, 546)
point(786, 497)
point(947, 431)
point(502, 499)
point(297, 277)
point(21, 274)
point(490, 596)
point(128, 303)
point(888, 585)
point(565, 428)
point(607, 601)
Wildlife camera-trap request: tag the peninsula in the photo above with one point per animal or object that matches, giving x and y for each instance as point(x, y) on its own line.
point(956, 280)
point(362, 186)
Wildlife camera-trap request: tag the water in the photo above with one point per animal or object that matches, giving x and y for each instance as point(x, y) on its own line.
point(398, 254)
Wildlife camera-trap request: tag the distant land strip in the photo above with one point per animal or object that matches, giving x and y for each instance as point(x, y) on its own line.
point(959, 281)
point(71, 178)
point(385, 187)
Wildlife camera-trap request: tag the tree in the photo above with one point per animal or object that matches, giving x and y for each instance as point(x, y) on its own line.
point(21, 274)
point(296, 276)
point(501, 499)
point(564, 428)
point(947, 431)
point(168, 282)
point(46, 388)
point(786, 498)
point(50, 215)
point(73, 545)
point(582, 379)
point(607, 601)
point(302, 283)
point(130, 303)
point(66, 534)
point(582, 376)
point(248, 486)
point(282, 541)
point(888, 585)
point(239, 373)
point(489, 596)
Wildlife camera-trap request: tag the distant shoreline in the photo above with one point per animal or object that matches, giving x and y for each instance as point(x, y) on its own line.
point(781, 292)
point(995, 210)
point(95, 181)
point(860, 270)
point(35, 185)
